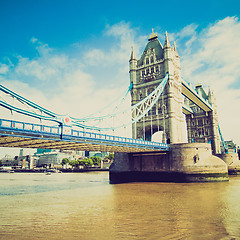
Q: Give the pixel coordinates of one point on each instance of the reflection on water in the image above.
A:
(86, 206)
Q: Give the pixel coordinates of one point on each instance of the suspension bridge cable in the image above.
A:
(30, 103)
(91, 116)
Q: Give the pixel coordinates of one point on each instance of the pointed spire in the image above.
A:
(175, 49)
(167, 43)
(210, 92)
(174, 46)
(211, 96)
(133, 56)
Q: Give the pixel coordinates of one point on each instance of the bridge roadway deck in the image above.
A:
(29, 135)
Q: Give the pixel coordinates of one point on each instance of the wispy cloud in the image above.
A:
(3, 68)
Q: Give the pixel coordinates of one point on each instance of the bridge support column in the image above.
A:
(186, 162)
(232, 161)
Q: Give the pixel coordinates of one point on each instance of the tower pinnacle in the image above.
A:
(175, 49)
(133, 56)
(174, 46)
(152, 36)
(167, 43)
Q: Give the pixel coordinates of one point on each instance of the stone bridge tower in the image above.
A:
(146, 74)
(202, 126)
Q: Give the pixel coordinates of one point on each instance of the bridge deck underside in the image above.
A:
(21, 141)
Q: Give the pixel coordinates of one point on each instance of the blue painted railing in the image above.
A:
(66, 133)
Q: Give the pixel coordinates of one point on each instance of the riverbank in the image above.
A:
(42, 170)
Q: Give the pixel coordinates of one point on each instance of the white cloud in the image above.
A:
(33, 40)
(117, 49)
(3, 68)
(186, 38)
(124, 33)
(95, 57)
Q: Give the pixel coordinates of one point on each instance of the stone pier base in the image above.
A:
(232, 161)
(187, 162)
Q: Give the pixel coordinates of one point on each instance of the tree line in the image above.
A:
(86, 162)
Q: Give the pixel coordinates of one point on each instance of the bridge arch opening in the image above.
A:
(155, 133)
(157, 136)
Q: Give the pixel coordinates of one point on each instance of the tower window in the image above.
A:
(147, 60)
(152, 70)
(143, 72)
(151, 59)
(157, 69)
(161, 67)
(147, 72)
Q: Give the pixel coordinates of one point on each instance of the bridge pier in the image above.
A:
(232, 161)
(185, 162)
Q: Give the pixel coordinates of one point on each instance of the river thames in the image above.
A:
(86, 206)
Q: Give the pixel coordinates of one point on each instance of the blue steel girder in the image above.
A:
(140, 109)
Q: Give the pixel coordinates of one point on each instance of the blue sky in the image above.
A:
(64, 54)
(61, 23)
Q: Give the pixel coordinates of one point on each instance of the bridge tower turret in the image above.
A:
(133, 72)
(133, 66)
(216, 142)
(174, 92)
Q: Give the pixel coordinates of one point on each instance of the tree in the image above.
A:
(96, 160)
(110, 156)
(87, 162)
(73, 163)
(65, 161)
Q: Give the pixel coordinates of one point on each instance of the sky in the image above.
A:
(72, 57)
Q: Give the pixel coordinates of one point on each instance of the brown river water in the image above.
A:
(86, 206)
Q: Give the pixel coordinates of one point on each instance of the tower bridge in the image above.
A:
(179, 108)
(161, 101)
